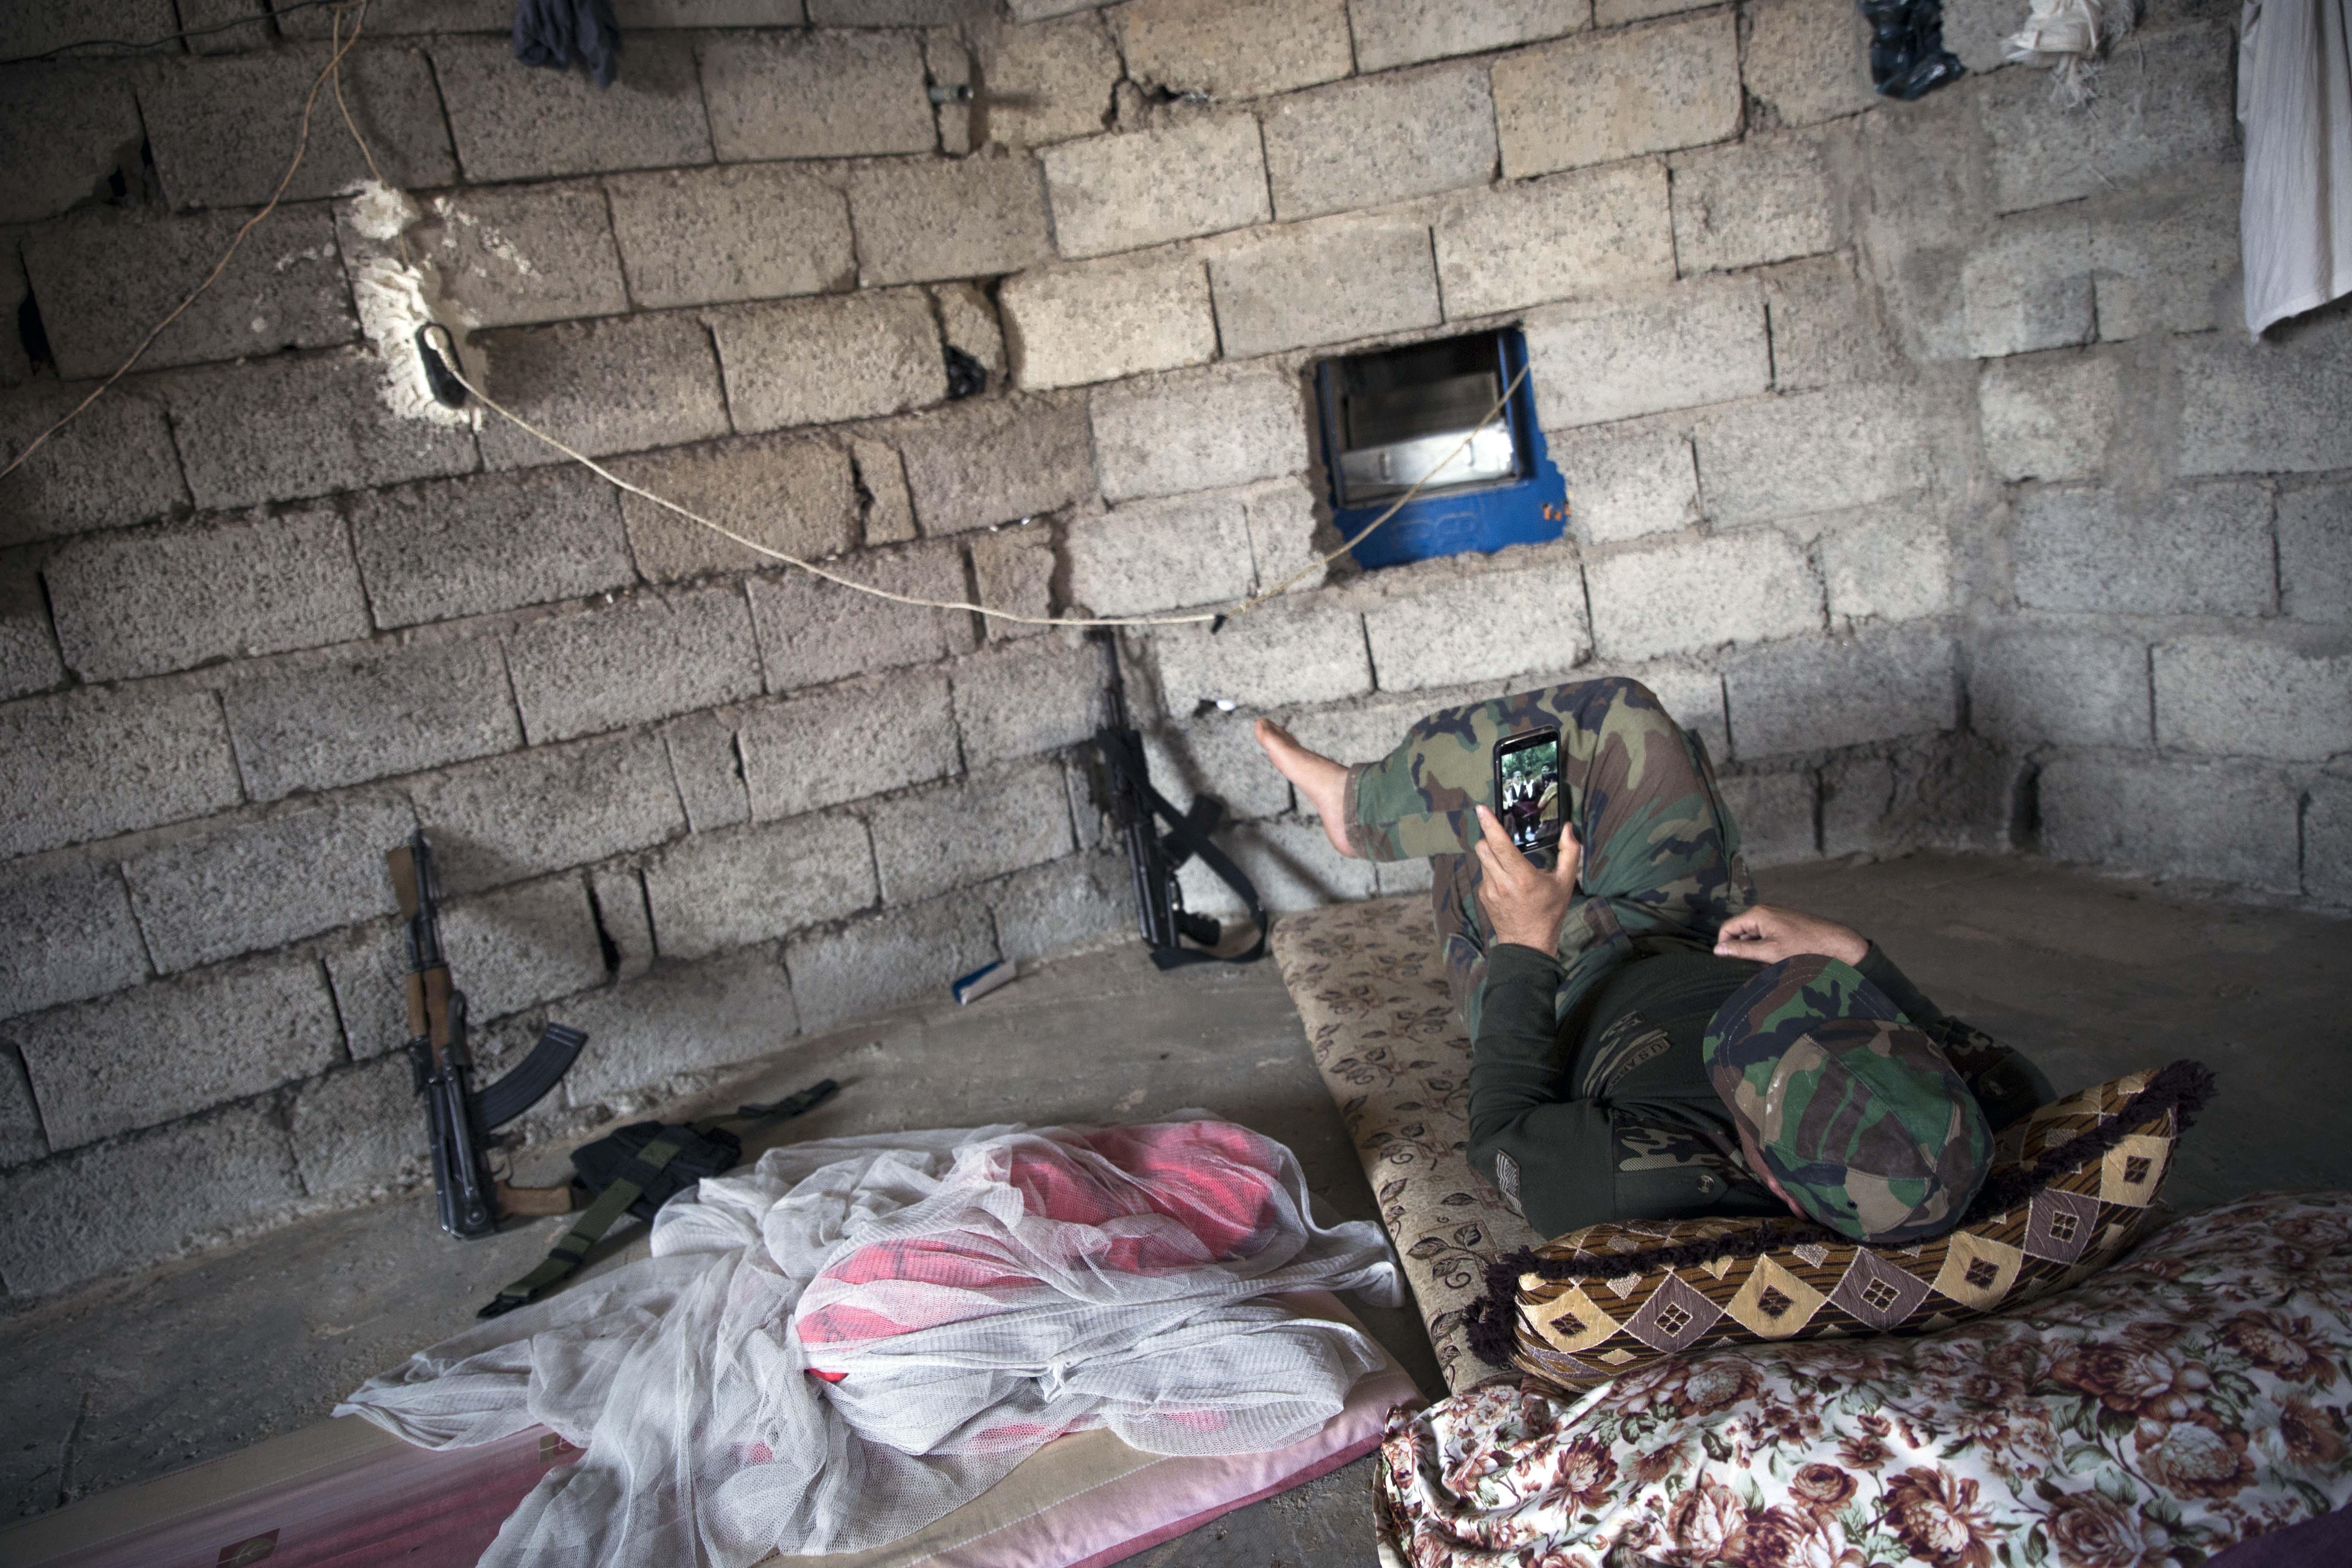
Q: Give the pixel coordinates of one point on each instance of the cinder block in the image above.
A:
(166, 1049)
(397, 710)
(797, 496)
(1373, 141)
(884, 12)
(2314, 553)
(1198, 430)
(1097, 320)
(530, 812)
(1825, 326)
(1617, 13)
(492, 541)
(413, 16)
(1893, 565)
(1286, 540)
(1038, 10)
(1820, 694)
(1014, 571)
(2165, 264)
(1159, 555)
(845, 742)
(1572, 236)
(1047, 82)
(1808, 60)
(812, 632)
(2223, 822)
(711, 237)
(709, 770)
(1694, 594)
(2263, 408)
(1978, 31)
(965, 832)
(13, 366)
(2179, 109)
(1234, 51)
(1697, 343)
(1285, 651)
(646, 657)
(1775, 813)
(1324, 282)
(919, 219)
(513, 124)
(1391, 32)
(2204, 550)
(1613, 95)
(882, 476)
(359, 1133)
(616, 897)
(2229, 695)
(2028, 286)
(2328, 841)
(777, 94)
(112, 466)
(102, 1210)
(1364, 730)
(967, 321)
(1764, 199)
(1019, 698)
(1289, 860)
(260, 884)
(66, 934)
(29, 660)
(1080, 901)
(1216, 755)
(1621, 487)
(85, 764)
(814, 362)
(71, 128)
(679, 1019)
(2048, 417)
(21, 1138)
(1491, 626)
(889, 958)
(2035, 685)
(222, 129)
(1950, 792)
(520, 254)
(131, 603)
(519, 946)
(1199, 175)
(718, 890)
(621, 385)
(282, 429)
(1819, 451)
(995, 460)
(104, 282)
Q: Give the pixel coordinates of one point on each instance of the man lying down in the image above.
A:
(1648, 1041)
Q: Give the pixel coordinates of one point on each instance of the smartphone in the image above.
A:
(1527, 788)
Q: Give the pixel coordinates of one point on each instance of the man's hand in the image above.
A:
(1524, 904)
(1767, 935)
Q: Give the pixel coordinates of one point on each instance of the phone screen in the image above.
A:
(1527, 778)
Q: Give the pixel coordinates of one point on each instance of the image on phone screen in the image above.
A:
(1527, 778)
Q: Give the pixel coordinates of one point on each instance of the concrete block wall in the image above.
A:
(1914, 459)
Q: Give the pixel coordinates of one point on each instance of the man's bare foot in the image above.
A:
(1321, 780)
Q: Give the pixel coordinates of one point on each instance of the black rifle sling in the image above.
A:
(1185, 833)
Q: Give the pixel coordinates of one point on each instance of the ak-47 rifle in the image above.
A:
(463, 1124)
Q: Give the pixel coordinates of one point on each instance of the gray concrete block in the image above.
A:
(169, 1049)
(621, 384)
(13, 366)
(1492, 627)
(711, 237)
(1613, 95)
(888, 958)
(969, 324)
(1196, 174)
(2328, 841)
(646, 657)
(845, 742)
(1825, 325)
(886, 13)
(1694, 594)
(267, 882)
(522, 945)
(72, 128)
(358, 1133)
(959, 834)
(2223, 822)
(104, 282)
(1038, 10)
(797, 496)
(101, 1210)
(1695, 344)
(21, 1138)
(709, 770)
(86, 765)
(816, 95)
(1895, 564)
(616, 895)
(66, 934)
(1323, 282)
(882, 477)
(1978, 31)
(1216, 755)
(1616, 13)
(491, 541)
(919, 219)
(131, 604)
(1234, 51)
(1287, 540)
(113, 465)
(1403, 32)
(1019, 698)
(1364, 730)
(2314, 553)
(1159, 555)
(1074, 902)
(381, 713)
(2178, 109)
(750, 884)
(1621, 487)
(995, 460)
(814, 362)
(2267, 406)
(1097, 320)
(2027, 285)
(1570, 236)
(1820, 694)
(1767, 198)
(530, 812)
(29, 659)
(1290, 862)
(516, 255)
(1820, 451)
(1378, 140)
(409, 18)
(1197, 430)
(1806, 61)
(222, 129)
(1014, 571)
(1950, 792)
(679, 1019)
(2167, 264)
(280, 430)
(1282, 652)
(513, 124)
(1392, 877)
(2048, 417)
(2229, 696)
(2055, 685)
(1775, 813)
(812, 632)
(2202, 550)
(1047, 82)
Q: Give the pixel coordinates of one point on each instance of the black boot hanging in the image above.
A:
(1907, 57)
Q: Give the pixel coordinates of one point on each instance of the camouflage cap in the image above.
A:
(1856, 1113)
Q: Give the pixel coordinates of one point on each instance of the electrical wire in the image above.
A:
(257, 17)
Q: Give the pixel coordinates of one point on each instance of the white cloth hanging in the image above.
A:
(2295, 99)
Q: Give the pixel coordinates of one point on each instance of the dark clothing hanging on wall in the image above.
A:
(557, 32)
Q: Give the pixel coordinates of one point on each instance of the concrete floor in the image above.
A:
(2092, 976)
